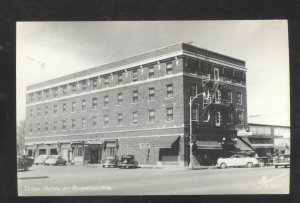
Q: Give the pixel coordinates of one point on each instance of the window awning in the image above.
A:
(208, 145)
(242, 146)
(165, 141)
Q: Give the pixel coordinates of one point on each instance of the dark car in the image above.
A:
(110, 162)
(23, 163)
(282, 160)
(128, 161)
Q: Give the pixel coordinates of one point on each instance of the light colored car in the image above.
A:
(55, 160)
(40, 159)
(236, 161)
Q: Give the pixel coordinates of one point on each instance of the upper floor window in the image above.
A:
(54, 109)
(230, 117)
(206, 115)
(31, 113)
(151, 93)
(64, 125)
(39, 112)
(64, 88)
(120, 78)
(94, 83)
(170, 90)
(74, 88)
(106, 101)
(83, 123)
(46, 111)
(38, 127)
(83, 104)
(47, 94)
(73, 106)
(95, 121)
(135, 117)
(229, 96)
(30, 129)
(135, 96)
(169, 68)
(106, 81)
(193, 89)
(94, 103)
(218, 119)
(120, 119)
(194, 113)
(169, 113)
(46, 127)
(240, 118)
(239, 98)
(64, 108)
(151, 115)
(120, 99)
(54, 125)
(83, 86)
(151, 72)
(55, 92)
(31, 98)
(106, 120)
(135, 75)
(39, 96)
(73, 124)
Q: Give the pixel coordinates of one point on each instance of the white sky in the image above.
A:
(68, 47)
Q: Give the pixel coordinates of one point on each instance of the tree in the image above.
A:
(21, 132)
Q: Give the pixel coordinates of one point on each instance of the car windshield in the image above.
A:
(109, 161)
(126, 159)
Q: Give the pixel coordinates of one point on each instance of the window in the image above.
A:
(83, 104)
(30, 129)
(38, 112)
(169, 113)
(54, 125)
(120, 78)
(106, 81)
(47, 94)
(46, 111)
(218, 119)
(78, 151)
(55, 92)
(218, 97)
(216, 74)
(64, 125)
(106, 101)
(135, 75)
(54, 109)
(239, 98)
(64, 108)
(83, 123)
(230, 117)
(106, 120)
(46, 127)
(73, 106)
(74, 88)
(94, 121)
(151, 115)
(135, 96)
(151, 72)
(151, 93)
(135, 117)
(31, 113)
(64, 90)
(120, 99)
(193, 90)
(38, 127)
(229, 96)
(95, 83)
(169, 68)
(83, 86)
(31, 98)
(120, 119)
(206, 116)
(169, 90)
(73, 123)
(240, 118)
(94, 103)
(39, 96)
(194, 113)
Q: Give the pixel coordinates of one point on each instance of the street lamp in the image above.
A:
(191, 129)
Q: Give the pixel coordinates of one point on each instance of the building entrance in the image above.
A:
(94, 154)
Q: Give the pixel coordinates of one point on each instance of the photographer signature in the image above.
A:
(266, 180)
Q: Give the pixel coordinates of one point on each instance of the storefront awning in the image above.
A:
(111, 144)
(208, 145)
(165, 141)
(242, 146)
(94, 142)
(262, 146)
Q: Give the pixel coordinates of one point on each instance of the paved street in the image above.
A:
(95, 180)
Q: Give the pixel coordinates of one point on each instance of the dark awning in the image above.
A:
(208, 145)
(165, 141)
(242, 146)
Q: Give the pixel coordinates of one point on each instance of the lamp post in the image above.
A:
(191, 165)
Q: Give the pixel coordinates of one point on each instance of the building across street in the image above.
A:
(141, 106)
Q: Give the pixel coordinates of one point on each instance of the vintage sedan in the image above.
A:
(110, 162)
(40, 159)
(55, 160)
(23, 163)
(128, 161)
(237, 161)
(282, 160)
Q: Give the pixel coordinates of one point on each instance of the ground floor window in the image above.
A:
(168, 155)
(42, 151)
(53, 152)
(78, 151)
(29, 152)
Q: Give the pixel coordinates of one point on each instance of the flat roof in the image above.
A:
(144, 56)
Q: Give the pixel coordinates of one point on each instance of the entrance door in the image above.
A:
(216, 74)
(94, 156)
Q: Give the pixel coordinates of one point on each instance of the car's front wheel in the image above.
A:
(223, 165)
(261, 163)
(249, 164)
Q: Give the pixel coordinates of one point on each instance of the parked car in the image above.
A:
(22, 163)
(29, 159)
(236, 161)
(282, 160)
(110, 162)
(55, 160)
(40, 159)
(128, 161)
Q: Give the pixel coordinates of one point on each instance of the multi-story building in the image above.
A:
(269, 139)
(140, 106)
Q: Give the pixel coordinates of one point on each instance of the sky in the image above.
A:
(46, 50)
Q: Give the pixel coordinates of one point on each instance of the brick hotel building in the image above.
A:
(140, 106)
